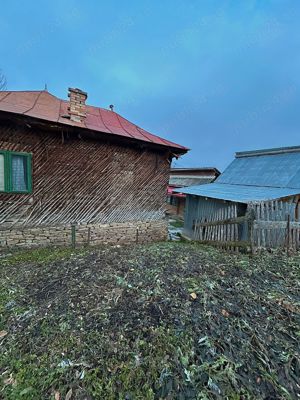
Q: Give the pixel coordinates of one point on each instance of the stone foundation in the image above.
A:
(85, 234)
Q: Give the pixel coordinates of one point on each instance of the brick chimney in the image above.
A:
(77, 108)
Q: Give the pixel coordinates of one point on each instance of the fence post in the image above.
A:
(73, 235)
(288, 234)
(250, 222)
(89, 236)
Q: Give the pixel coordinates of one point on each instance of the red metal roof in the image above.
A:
(44, 105)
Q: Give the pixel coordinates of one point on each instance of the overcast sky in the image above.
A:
(216, 76)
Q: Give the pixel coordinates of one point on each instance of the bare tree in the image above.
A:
(3, 81)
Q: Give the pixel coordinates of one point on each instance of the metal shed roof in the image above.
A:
(238, 193)
(271, 167)
(189, 180)
(258, 175)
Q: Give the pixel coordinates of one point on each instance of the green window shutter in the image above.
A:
(29, 173)
(6, 171)
(2, 172)
(17, 172)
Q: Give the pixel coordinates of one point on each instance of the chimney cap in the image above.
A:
(79, 91)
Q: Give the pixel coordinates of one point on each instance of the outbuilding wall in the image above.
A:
(84, 182)
(199, 208)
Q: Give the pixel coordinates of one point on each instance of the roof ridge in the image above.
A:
(270, 151)
(22, 91)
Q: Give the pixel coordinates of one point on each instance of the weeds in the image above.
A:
(120, 323)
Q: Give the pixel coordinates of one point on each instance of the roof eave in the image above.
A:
(97, 135)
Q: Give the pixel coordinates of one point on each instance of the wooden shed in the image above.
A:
(183, 177)
(265, 182)
(69, 167)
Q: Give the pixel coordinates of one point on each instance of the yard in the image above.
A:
(161, 321)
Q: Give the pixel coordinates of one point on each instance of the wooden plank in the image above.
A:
(250, 225)
(231, 227)
(233, 221)
(288, 235)
(257, 236)
(275, 224)
(223, 216)
(262, 213)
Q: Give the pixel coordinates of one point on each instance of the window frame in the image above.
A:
(8, 185)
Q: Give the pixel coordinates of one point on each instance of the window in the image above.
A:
(15, 172)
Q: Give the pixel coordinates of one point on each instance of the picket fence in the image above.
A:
(269, 224)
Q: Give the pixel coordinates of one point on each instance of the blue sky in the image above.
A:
(216, 76)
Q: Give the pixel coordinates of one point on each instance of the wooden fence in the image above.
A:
(276, 225)
(265, 225)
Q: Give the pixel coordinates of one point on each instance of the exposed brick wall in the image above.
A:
(77, 108)
(92, 234)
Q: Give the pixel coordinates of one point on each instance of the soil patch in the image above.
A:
(163, 321)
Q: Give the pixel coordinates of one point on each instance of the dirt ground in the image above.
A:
(163, 321)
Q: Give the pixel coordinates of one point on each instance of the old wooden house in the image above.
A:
(267, 182)
(67, 167)
(183, 177)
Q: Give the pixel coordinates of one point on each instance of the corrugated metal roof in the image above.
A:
(189, 181)
(273, 150)
(238, 193)
(195, 169)
(271, 168)
(43, 105)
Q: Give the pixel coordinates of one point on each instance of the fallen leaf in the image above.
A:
(69, 394)
(193, 296)
(2, 334)
(225, 313)
(57, 396)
